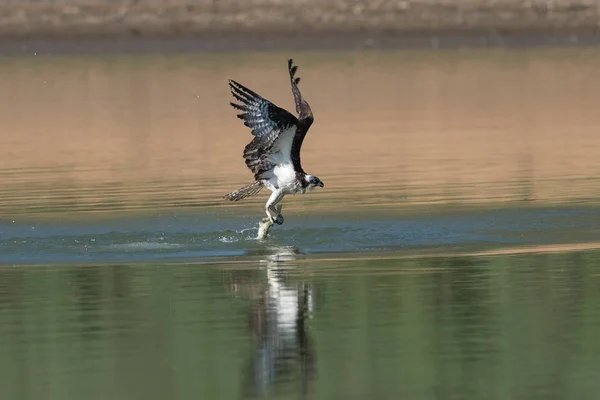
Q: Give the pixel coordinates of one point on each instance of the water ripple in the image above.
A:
(217, 235)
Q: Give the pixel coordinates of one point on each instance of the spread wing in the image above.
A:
(267, 122)
(305, 116)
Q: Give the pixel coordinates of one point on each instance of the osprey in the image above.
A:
(273, 155)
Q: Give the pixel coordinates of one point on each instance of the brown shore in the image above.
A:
(264, 24)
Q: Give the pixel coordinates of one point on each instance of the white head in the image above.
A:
(313, 182)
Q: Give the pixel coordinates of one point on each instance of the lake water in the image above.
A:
(453, 253)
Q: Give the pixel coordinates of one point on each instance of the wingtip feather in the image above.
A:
(241, 96)
(238, 106)
(244, 91)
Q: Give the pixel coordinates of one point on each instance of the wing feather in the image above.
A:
(267, 122)
(305, 116)
(259, 114)
(302, 108)
(256, 154)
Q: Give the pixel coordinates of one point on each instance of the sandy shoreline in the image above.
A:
(258, 24)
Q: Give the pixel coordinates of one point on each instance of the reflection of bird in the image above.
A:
(273, 155)
(281, 308)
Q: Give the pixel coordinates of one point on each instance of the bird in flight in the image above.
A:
(273, 155)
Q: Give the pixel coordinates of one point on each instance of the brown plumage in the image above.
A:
(246, 191)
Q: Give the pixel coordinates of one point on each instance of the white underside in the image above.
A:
(283, 176)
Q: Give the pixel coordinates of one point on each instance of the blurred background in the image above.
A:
(453, 252)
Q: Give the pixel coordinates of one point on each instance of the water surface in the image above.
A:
(495, 327)
(90, 133)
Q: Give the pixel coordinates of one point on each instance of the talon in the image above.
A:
(279, 219)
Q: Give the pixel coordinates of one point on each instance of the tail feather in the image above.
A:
(246, 191)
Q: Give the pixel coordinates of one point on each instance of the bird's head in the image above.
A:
(313, 182)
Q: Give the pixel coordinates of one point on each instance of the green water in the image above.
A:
(461, 327)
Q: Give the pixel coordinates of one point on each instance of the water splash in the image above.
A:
(239, 236)
(145, 246)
